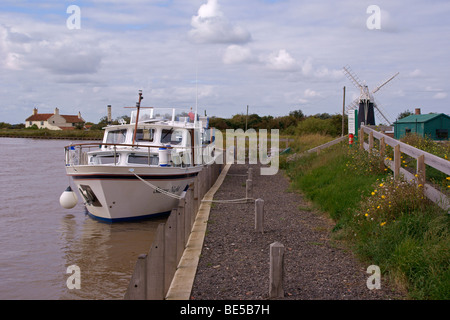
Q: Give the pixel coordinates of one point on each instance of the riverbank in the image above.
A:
(52, 134)
(234, 262)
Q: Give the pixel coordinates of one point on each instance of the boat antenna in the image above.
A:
(196, 94)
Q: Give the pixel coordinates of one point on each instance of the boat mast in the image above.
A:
(138, 106)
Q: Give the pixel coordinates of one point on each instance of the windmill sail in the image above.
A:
(367, 107)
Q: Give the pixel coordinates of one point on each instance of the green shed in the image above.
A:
(434, 125)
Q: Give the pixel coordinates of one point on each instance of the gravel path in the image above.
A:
(234, 263)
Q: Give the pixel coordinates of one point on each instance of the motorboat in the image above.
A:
(141, 168)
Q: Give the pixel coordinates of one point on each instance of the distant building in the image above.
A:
(434, 125)
(54, 121)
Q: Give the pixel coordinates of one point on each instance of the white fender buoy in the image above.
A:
(163, 157)
(68, 199)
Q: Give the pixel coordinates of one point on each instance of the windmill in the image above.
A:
(366, 101)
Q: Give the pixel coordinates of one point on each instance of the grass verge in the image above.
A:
(386, 222)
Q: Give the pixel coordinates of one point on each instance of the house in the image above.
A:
(434, 125)
(54, 121)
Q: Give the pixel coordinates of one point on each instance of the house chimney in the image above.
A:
(109, 114)
(56, 111)
(79, 115)
(417, 111)
(35, 111)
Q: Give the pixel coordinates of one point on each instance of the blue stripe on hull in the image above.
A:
(132, 177)
(129, 219)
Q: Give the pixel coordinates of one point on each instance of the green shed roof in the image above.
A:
(420, 117)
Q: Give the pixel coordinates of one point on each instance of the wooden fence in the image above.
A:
(317, 149)
(154, 271)
(423, 158)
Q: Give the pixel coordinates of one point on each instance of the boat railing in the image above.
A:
(178, 156)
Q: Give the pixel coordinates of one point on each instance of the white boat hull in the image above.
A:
(119, 194)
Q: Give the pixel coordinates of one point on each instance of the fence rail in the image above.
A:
(423, 158)
(154, 272)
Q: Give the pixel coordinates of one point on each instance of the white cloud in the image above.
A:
(440, 95)
(282, 61)
(415, 73)
(309, 93)
(211, 26)
(237, 54)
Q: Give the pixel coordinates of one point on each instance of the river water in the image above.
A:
(39, 239)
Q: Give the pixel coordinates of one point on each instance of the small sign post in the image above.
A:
(353, 123)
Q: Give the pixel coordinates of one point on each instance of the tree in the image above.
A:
(297, 114)
(404, 114)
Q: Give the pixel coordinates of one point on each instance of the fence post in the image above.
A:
(138, 283)
(276, 270)
(170, 249)
(250, 173)
(370, 141)
(248, 189)
(382, 152)
(421, 170)
(361, 139)
(259, 215)
(397, 161)
(155, 266)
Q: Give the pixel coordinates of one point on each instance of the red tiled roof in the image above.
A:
(45, 116)
(39, 117)
(72, 119)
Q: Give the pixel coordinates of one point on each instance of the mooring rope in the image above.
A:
(167, 193)
(236, 201)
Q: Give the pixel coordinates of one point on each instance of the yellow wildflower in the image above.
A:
(381, 184)
(382, 197)
(373, 193)
(382, 224)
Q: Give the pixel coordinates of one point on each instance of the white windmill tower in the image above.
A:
(366, 101)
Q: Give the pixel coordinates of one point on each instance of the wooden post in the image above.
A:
(191, 207)
(170, 249)
(397, 161)
(248, 189)
(370, 141)
(200, 185)
(382, 152)
(276, 270)
(361, 139)
(250, 173)
(259, 215)
(180, 228)
(196, 198)
(155, 266)
(138, 283)
(421, 170)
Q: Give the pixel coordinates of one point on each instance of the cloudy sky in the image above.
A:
(274, 55)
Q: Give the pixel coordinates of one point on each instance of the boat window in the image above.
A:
(116, 136)
(142, 159)
(171, 136)
(145, 135)
(108, 159)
